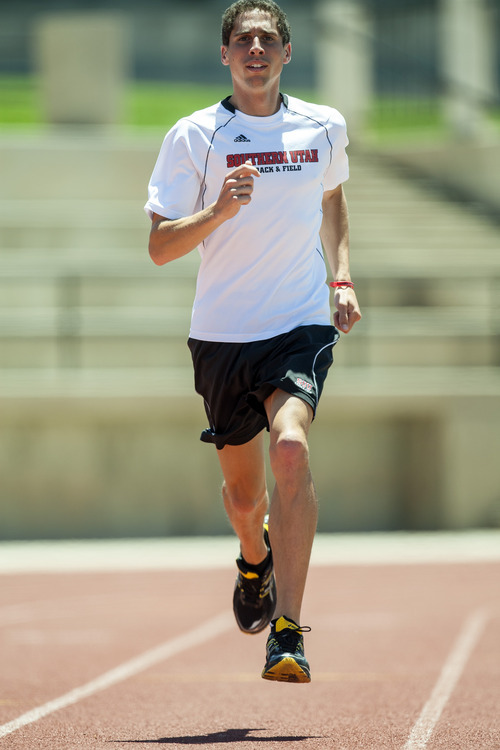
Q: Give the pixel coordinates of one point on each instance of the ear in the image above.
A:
(223, 55)
(287, 54)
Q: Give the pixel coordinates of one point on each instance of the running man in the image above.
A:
(255, 183)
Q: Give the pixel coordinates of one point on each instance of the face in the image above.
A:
(255, 53)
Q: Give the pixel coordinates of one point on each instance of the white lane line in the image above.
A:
(204, 632)
(450, 674)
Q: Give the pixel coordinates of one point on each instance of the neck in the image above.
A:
(256, 105)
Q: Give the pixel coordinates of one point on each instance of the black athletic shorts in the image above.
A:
(236, 379)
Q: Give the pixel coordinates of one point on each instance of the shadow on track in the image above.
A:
(228, 735)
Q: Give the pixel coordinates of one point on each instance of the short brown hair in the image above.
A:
(243, 6)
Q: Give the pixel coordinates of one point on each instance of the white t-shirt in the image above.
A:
(262, 272)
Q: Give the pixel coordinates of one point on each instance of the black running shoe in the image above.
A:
(285, 653)
(254, 596)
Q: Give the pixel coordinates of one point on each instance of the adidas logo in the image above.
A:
(241, 139)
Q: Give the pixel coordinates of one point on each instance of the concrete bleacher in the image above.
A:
(99, 429)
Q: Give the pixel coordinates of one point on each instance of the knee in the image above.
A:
(243, 499)
(289, 455)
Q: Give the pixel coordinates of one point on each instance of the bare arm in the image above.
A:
(335, 239)
(171, 239)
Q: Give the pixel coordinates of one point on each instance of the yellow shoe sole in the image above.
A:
(287, 670)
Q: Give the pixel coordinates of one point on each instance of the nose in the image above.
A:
(256, 48)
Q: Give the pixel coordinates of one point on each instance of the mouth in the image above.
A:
(256, 66)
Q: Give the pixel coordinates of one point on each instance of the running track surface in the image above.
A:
(125, 645)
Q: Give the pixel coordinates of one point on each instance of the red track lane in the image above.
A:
(381, 638)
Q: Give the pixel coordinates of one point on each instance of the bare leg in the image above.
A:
(245, 495)
(293, 512)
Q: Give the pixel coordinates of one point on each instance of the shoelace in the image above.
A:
(289, 638)
(250, 587)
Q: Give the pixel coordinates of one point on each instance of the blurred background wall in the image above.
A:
(99, 424)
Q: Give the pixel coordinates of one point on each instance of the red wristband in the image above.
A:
(335, 284)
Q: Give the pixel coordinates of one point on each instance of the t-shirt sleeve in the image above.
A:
(338, 170)
(174, 187)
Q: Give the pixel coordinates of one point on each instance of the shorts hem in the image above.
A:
(287, 387)
(220, 442)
